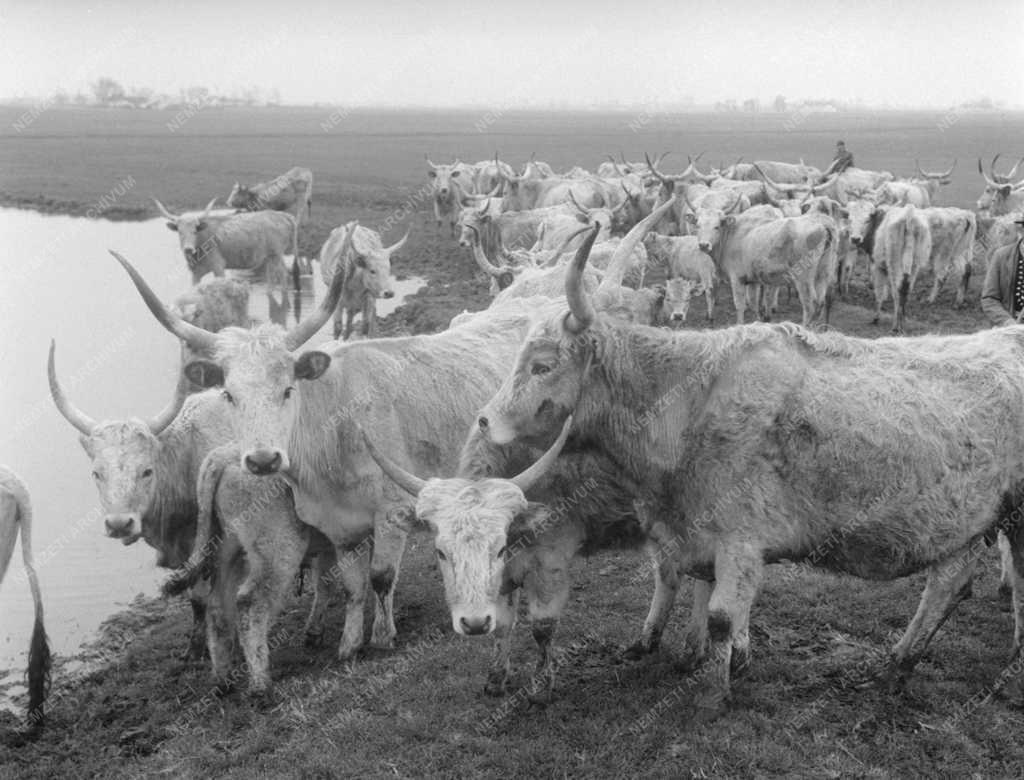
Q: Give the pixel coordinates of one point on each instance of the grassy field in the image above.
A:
(805, 709)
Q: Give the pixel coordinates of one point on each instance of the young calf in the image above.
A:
(260, 548)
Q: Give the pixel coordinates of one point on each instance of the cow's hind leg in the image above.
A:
(388, 548)
(547, 592)
(738, 570)
(965, 281)
(1005, 566)
(221, 615)
(695, 635)
(948, 583)
(198, 596)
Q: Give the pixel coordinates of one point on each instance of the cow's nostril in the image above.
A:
(389, 294)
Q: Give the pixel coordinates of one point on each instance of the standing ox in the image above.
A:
(249, 242)
(952, 234)
(15, 517)
(771, 449)
(690, 273)
(291, 192)
(298, 417)
(902, 247)
(1001, 195)
(449, 182)
(359, 253)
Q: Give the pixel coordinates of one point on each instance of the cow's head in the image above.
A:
(241, 196)
(125, 455)
(548, 376)
(715, 211)
(260, 376)
(192, 230)
(374, 264)
(480, 527)
(474, 218)
(604, 216)
(676, 305)
(443, 177)
(999, 189)
(863, 213)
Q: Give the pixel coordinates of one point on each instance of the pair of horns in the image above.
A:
(86, 424)
(524, 481)
(175, 217)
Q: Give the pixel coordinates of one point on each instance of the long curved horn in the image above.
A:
(689, 203)
(485, 265)
(653, 169)
(398, 244)
(79, 419)
(303, 331)
(988, 180)
(1013, 170)
(174, 218)
(198, 339)
(992, 167)
(206, 211)
(526, 479)
(581, 308)
(432, 165)
(735, 205)
(166, 417)
(619, 262)
(767, 179)
(576, 203)
(410, 483)
(816, 188)
(482, 211)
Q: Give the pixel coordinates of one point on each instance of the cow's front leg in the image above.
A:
(738, 570)
(695, 635)
(948, 583)
(547, 592)
(739, 298)
(498, 674)
(323, 564)
(388, 547)
(666, 586)
(354, 572)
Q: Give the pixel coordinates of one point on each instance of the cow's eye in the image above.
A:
(539, 369)
(147, 473)
(501, 552)
(288, 392)
(96, 475)
(228, 397)
(441, 556)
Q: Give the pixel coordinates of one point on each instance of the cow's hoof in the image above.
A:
(263, 698)
(689, 662)
(739, 662)
(874, 321)
(314, 639)
(1005, 591)
(496, 685)
(638, 650)
(348, 654)
(223, 689)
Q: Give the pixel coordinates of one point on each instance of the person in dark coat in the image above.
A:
(1002, 295)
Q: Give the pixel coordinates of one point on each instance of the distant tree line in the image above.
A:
(110, 93)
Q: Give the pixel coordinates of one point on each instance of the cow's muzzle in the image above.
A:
(704, 246)
(475, 626)
(125, 526)
(263, 462)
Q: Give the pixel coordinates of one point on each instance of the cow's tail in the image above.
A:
(39, 656)
(206, 544)
(828, 271)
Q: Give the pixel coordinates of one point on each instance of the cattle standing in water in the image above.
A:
(773, 450)
(250, 241)
(15, 518)
(291, 192)
(359, 253)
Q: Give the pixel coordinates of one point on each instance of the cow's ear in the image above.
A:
(204, 373)
(844, 213)
(431, 174)
(730, 220)
(527, 525)
(404, 518)
(454, 174)
(200, 226)
(311, 365)
(172, 226)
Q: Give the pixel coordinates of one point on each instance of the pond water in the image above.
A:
(115, 361)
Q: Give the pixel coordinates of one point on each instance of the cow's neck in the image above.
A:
(169, 524)
(643, 395)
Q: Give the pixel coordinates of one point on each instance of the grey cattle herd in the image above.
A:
(572, 414)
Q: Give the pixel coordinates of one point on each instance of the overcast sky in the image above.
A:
(919, 52)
